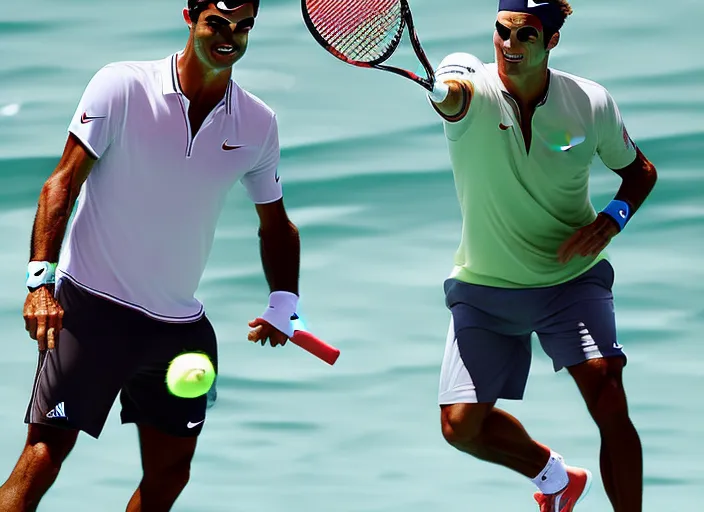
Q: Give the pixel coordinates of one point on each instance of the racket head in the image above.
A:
(362, 33)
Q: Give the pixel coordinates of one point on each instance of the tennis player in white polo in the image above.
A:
(522, 138)
(153, 149)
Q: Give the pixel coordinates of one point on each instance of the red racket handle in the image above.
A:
(316, 346)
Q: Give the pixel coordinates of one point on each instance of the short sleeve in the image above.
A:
(101, 110)
(463, 66)
(263, 183)
(615, 147)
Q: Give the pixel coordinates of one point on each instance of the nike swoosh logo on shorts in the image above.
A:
(194, 425)
(85, 118)
(227, 147)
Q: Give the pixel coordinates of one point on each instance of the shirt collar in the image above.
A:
(542, 100)
(169, 76)
(171, 85)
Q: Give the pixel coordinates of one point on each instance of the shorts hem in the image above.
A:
(95, 434)
(609, 355)
(449, 400)
(195, 432)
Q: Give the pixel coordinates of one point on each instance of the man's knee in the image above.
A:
(173, 476)
(48, 446)
(602, 386)
(462, 423)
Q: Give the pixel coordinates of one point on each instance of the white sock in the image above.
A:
(553, 478)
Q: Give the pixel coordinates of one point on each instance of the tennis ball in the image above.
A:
(190, 375)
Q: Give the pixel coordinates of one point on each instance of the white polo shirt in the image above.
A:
(146, 216)
(518, 206)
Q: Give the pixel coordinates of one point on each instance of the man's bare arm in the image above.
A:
(280, 247)
(42, 313)
(56, 200)
(638, 181)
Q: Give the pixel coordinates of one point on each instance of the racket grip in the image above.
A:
(316, 346)
(439, 92)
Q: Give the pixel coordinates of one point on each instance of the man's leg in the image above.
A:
(74, 389)
(37, 468)
(578, 332)
(493, 435)
(168, 425)
(479, 367)
(601, 384)
(166, 463)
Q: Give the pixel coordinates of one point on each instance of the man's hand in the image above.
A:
(263, 330)
(43, 317)
(589, 240)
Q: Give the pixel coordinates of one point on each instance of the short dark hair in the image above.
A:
(565, 10)
(195, 8)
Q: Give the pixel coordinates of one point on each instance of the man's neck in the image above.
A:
(201, 85)
(527, 89)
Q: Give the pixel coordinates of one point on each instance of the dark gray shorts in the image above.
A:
(488, 349)
(106, 349)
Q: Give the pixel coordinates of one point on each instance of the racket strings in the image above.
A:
(363, 31)
(350, 31)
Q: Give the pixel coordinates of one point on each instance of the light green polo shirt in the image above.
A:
(518, 207)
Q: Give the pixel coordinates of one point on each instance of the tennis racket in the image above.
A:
(312, 343)
(307, 341)
(366, 33)
(316, 346)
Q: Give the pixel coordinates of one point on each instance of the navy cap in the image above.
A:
(224, 6)
(549, 14)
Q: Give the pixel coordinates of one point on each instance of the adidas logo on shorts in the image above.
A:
(57, 412)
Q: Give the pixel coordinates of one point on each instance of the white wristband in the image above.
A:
(439, 92)
(282, 306)
(40, 273)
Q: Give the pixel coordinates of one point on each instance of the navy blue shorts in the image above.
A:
(488, 349)
(106, 349)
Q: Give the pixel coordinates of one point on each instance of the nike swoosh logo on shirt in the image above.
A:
(85, 118)
(227, 147)
(573, 143)
(193, 425)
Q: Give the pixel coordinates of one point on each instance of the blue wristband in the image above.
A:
(619, 211)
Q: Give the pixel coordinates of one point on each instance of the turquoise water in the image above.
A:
(368, 183)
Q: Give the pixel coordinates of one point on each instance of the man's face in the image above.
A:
(220, 38)
(518, 40)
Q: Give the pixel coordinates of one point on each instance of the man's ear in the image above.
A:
(187, 17)
(553, 41)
